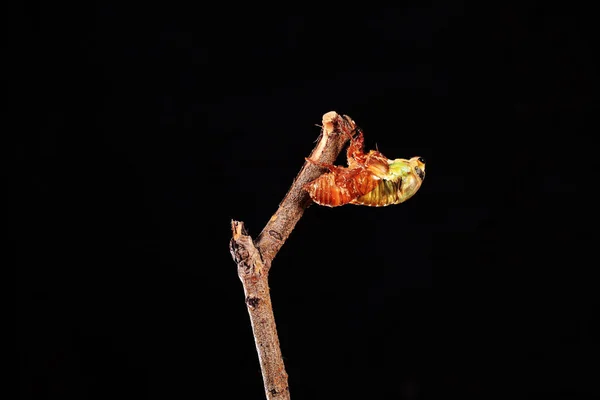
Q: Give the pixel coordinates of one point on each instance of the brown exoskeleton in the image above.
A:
(371, 179)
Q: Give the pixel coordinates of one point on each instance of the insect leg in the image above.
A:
(355, 153)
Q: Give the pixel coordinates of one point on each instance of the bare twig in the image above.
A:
(254, 258)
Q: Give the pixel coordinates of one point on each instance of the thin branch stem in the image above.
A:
(254, 258)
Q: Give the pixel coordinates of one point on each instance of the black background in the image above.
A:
(143, 130)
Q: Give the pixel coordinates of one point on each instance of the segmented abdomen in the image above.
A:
(341, 187)
(385, 193)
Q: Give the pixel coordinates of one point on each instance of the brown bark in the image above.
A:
(254, 258)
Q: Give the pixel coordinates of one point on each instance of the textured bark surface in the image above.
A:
(252, 273)
(253, 258)
(335, 132)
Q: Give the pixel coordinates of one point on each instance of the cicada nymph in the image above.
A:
(371, 179)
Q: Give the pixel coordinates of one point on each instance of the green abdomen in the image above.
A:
(385, 193)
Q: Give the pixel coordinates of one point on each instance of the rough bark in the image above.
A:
(254, 258)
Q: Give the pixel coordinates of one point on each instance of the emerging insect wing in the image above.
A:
(370, 179)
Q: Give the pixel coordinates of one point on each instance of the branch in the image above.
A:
(254, 258)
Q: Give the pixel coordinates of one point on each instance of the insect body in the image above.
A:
(370, 179)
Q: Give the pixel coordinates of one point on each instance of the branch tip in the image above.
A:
(329, 122)
(238, 229)
(254, 257)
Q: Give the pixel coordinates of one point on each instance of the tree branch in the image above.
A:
(254, 258)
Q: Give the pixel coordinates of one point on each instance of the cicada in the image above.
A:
(371, 179)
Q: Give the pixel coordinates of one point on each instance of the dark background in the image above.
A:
(143, 130)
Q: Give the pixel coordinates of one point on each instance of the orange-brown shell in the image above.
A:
(362, 182)
(341, 186)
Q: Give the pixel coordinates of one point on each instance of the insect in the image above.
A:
(371, 179)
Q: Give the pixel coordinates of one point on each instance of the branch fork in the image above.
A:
(254, 257)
